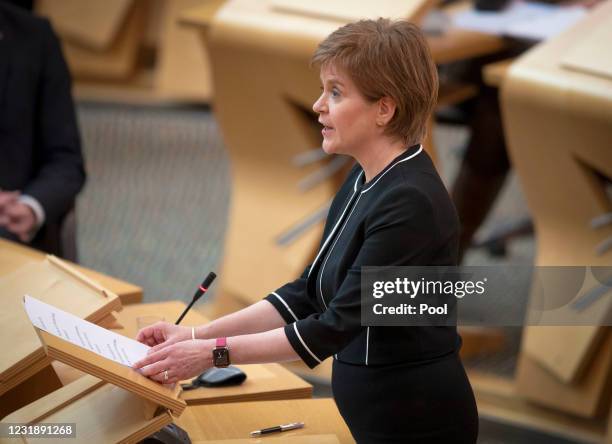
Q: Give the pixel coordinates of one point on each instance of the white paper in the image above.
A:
(548, 25)
(83, 333)
(535, 21)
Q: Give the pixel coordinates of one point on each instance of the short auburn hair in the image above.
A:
(387, 58)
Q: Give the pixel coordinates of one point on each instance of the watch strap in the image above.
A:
(221, 343)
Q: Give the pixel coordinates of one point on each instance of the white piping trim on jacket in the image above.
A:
(331, 249)
(396, 163)
(357, 181)
(286, 305)
(335, 226)
(367, 345)
(304, 344)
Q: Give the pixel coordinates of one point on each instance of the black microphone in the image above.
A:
(198, 294)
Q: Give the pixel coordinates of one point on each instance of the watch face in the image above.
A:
(221, 357)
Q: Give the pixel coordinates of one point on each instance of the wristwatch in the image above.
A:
(220, 353)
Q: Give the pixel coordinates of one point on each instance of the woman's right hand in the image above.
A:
(163, 334)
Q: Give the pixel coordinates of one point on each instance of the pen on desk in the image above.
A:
(279, 428)
(198, 294)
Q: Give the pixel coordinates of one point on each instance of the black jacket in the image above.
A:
(402, 217)
(40, 149)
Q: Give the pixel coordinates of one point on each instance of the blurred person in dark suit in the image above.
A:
(41, 164)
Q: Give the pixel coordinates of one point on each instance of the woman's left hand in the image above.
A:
(176, 362)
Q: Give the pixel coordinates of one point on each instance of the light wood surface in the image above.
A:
(101, 42)
(453, 45)
(102, 413)
(558, 129)
(236, 421)
(24, 270)
(118, 61)
(493, 74)
(113, 372)
(65, 373)
(168, 311)
(497, 399)
(14, 256)
(34, 387)
(92, 24)
(53, 402)
(264, 381)
(180, 73)
(182, 69)
(591, 54)
(586, 397)
(201, 17)
(564, 351)
(54, 282)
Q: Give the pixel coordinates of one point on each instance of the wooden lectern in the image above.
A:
(114, 404)
(14, 256)
(25, 372)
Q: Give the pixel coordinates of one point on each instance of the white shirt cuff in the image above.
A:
(36, 207)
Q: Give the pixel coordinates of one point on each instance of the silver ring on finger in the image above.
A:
(165, 375)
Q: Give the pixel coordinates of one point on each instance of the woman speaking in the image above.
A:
(391, 384)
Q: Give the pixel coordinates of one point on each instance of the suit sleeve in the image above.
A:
(400, 231)
(291, 300)
(61, 173)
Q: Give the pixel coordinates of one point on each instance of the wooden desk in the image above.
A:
(493, 74)
(234, 421)
(264, 381)
(13, 256)
(556, 101)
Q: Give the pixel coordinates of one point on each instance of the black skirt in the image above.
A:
(423, 402)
